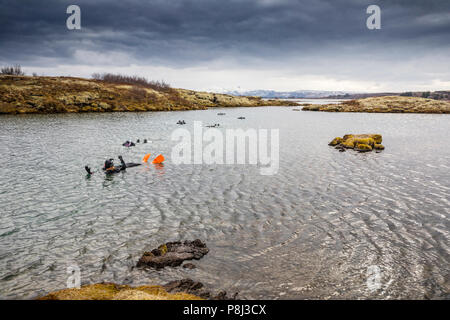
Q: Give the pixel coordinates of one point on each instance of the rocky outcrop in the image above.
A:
(358, 142)
(25, 94)
(388, 104)
(112, 291)
(172, 254)
(185, 289)
(196, 288)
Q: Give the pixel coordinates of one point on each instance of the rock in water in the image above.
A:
(191, 287)
(112, 291)
(358, 142)
(172, 254)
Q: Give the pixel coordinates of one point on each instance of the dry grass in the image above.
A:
(23, 94)
(388, 104)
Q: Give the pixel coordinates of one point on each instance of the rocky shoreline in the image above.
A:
(170, 254)
(387, 104)
(43, 95)
(185, 289)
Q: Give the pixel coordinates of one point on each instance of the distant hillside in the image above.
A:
(26, 94)
(389, 104)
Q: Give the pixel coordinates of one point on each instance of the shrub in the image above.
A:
(133, 80)
(15, 70)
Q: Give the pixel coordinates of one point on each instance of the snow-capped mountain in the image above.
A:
(285, 94)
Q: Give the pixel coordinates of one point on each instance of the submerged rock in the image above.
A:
(189, 266)
(195, 288)
(172, 254)
(358, 142)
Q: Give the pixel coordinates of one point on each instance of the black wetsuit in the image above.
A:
(110, 168)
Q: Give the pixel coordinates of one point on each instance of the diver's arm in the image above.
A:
(124, 165)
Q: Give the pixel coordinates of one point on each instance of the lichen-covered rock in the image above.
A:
(335, 141)
(362, 147)
(348, 144)
(358, 142)
(172, 254)
(367, 141)
(112, 291)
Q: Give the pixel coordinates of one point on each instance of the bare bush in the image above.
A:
(133, 80)
(15, 70)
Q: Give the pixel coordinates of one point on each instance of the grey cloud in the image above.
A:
(185, 33)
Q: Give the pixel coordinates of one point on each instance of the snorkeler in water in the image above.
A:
(109, 166)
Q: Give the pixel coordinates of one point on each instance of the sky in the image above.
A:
(218, 45)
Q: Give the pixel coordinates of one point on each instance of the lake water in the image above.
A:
(317, 229)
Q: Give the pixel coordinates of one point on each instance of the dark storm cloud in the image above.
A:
(182, 32)
(324, 38)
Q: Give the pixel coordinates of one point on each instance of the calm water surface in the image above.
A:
(310, 231)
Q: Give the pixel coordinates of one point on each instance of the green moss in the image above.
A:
(367, 141)
(349, 143)
(377, 137)
(363, 147)
(163, 249)
(336, 141)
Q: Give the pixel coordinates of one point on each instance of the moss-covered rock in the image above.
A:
(358, 142)
(335, 141)
(362, 147)
(348, 144)
(172, 254)
(112, 291)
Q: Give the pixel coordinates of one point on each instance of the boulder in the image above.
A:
(358, 142)
(191, 287)
(172, 254)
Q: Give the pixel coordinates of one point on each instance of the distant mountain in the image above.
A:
(315, 94)
(271, 94)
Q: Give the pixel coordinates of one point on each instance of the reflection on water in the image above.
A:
(311, 231)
